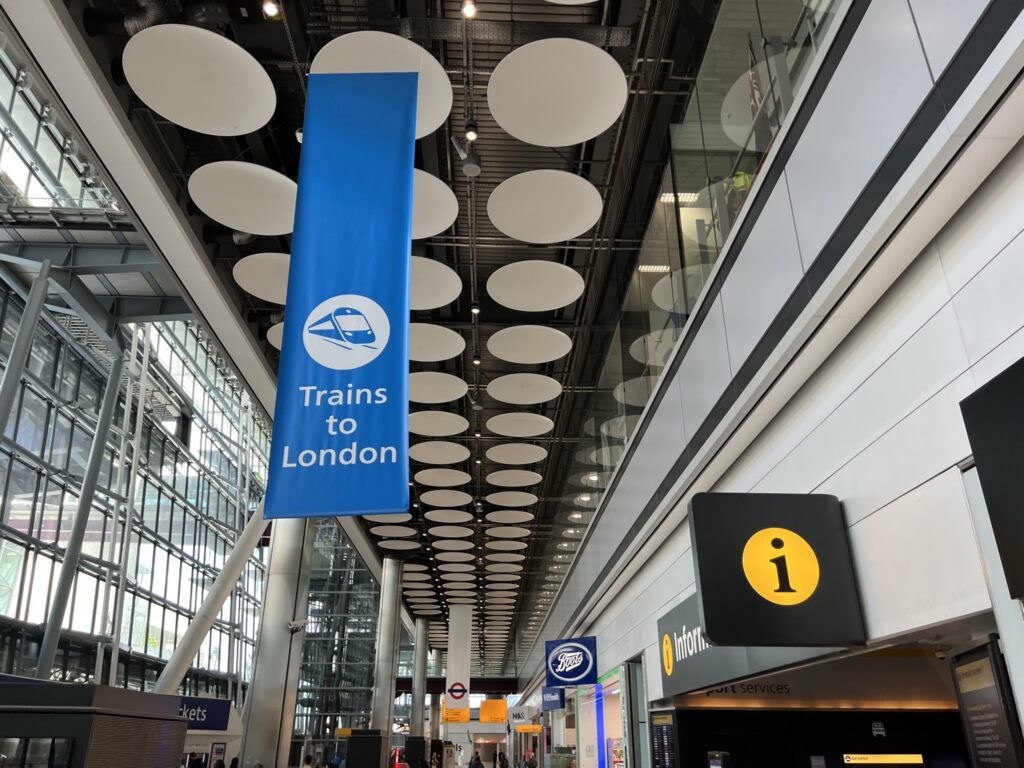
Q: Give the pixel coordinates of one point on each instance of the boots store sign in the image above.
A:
(572, 661)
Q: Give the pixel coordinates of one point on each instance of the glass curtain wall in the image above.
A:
(202, 457)
(336, 676)
(738, 94)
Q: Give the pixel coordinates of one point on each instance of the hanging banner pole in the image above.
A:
(340, 440)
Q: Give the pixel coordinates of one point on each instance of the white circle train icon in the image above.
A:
(346, 332)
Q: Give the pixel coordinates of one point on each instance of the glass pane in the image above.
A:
(32, 422)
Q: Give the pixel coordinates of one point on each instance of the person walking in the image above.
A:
(476, 762)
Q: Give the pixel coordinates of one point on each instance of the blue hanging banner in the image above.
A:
(552, 698)
(340, 440)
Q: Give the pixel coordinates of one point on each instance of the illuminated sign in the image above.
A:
(772, 569)
(883, 760)
(493, 711)
(528, 729)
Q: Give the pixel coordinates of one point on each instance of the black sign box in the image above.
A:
(994, 416)
(774, 570)
(987, 709)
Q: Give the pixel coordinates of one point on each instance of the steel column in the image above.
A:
(269, 713)
(382, 709)
(129, 517)
(22, 344)
(73, 551)
(435, 716)
(190, 643)
(419, 676)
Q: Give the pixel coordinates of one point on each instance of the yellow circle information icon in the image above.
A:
(781, 566)
(666, 654)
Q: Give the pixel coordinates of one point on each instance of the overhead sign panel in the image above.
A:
(994, 416)
(552, 698)
(340, 439)
(689, 663)
(456, 690)
(571, 662)
(774, 570)
(493, 711)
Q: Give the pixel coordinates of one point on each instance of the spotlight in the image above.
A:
(298, 135)
(468, 8)
(475, 309)
(471, 134)
(478, 434)
(271, 9)
(476, 361)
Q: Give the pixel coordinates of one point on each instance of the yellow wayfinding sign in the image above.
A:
(883, 760)
(493, 711)
(528, 729)
(453, 715)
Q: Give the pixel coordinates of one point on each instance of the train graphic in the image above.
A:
(346, 327)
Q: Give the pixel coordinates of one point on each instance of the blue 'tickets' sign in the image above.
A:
(552, 698)
(340, 439)
(571, 662)
(205, 714)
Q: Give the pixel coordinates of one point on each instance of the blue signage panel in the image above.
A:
(552, 698)
(205, 714)
(340, 439)
(571, 662)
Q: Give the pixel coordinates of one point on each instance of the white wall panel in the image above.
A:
(943, 25)
(917, 560)
(763, 277)
(987, 223)
(844, 142)
(704, 373)
(928, 361)
(989, 306)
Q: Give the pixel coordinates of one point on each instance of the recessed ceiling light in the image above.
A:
(469, 11)
(471, 132)
(271, 9)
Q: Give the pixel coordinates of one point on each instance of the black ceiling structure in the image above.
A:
(658, 44)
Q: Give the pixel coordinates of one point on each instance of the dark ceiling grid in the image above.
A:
(469, 51)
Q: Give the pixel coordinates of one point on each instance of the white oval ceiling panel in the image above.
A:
(506, 577)
(505, 557)
(400, 517)
(434, 205)
(620, 427)
(461, 577)
(544, 206)
(514, 478)
(398, 544)
(529, 344)
(508, 532)
(524, 388)
(437, 423)
(459, 592)
(453, 545)
(449, 516)
(429, 343)
(414, 576)
(520, 424)
(505, 544)
(635, 392)
(504, 567)
(439, 452)
(455, 557)
(516, 453)
(407, 566)
(369, 51)
(445, 498)
(654, 348)
(442, 478)
(275, 335)
(245, 196)
(512, 499)
(509, 516)
(456, 567)
(433, 387)
(609, 456)
(535, 286)
(556, 92)
(420, 593)
(450, 531)
(433, 284)
(264, 275)
(393, 530)
(462, 601)
(198, 79)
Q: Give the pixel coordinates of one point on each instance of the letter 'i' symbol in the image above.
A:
(781, 568)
